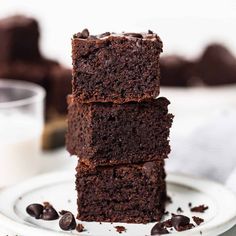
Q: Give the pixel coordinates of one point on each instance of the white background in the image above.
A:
(185, 26)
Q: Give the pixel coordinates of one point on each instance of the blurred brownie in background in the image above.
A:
(19, 37)
(28, 71)
(177, 71)
(217, 65)
(20, 59)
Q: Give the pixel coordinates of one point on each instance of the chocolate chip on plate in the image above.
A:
(181, 222)
(49, 213)
(179, 210)
(35, 210)
(67, 222)
(158, 229)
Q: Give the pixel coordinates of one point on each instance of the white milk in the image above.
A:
(20, 144)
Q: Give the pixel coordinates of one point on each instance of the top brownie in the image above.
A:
(115, 68)
(19, 39)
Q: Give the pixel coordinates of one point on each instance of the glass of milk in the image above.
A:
(21, 126)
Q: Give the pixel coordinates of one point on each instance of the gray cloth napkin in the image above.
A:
(209, 151)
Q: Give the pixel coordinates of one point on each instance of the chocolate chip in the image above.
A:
(200, 209)
(150, 32)
(80, 228)
(83, 35)
(159, 229)
(35, 210)
(67, 222)
(179, 210)
(49, 213)
(104, 34)
(135, 35)
(179, 221)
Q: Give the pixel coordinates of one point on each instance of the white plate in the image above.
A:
(58, 189)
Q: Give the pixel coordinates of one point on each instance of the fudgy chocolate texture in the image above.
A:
(115, 68)
(107, 133)
(124, 193)
(19, 39)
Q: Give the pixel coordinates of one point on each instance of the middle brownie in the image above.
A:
(107, 133)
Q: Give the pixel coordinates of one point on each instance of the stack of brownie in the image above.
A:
(117, 127)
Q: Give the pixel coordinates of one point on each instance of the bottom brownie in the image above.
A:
(125, 193)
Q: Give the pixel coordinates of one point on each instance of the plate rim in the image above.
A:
(174, 178)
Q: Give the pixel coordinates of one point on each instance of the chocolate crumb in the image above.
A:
(46, 204)
(179, 210)
(158, 229)
(80, 228)
(190, 204)
(198, 220)
(167, 223)
(150, 32)
(120, 229)
(200, 208)
(166, 213)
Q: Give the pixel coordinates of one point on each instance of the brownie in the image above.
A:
(19, 37)
(124, 193)
(115, 68)
(178, 71)
(217, 66)
(108, 133)
(26, 71)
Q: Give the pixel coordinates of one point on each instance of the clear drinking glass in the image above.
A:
(21, 126)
